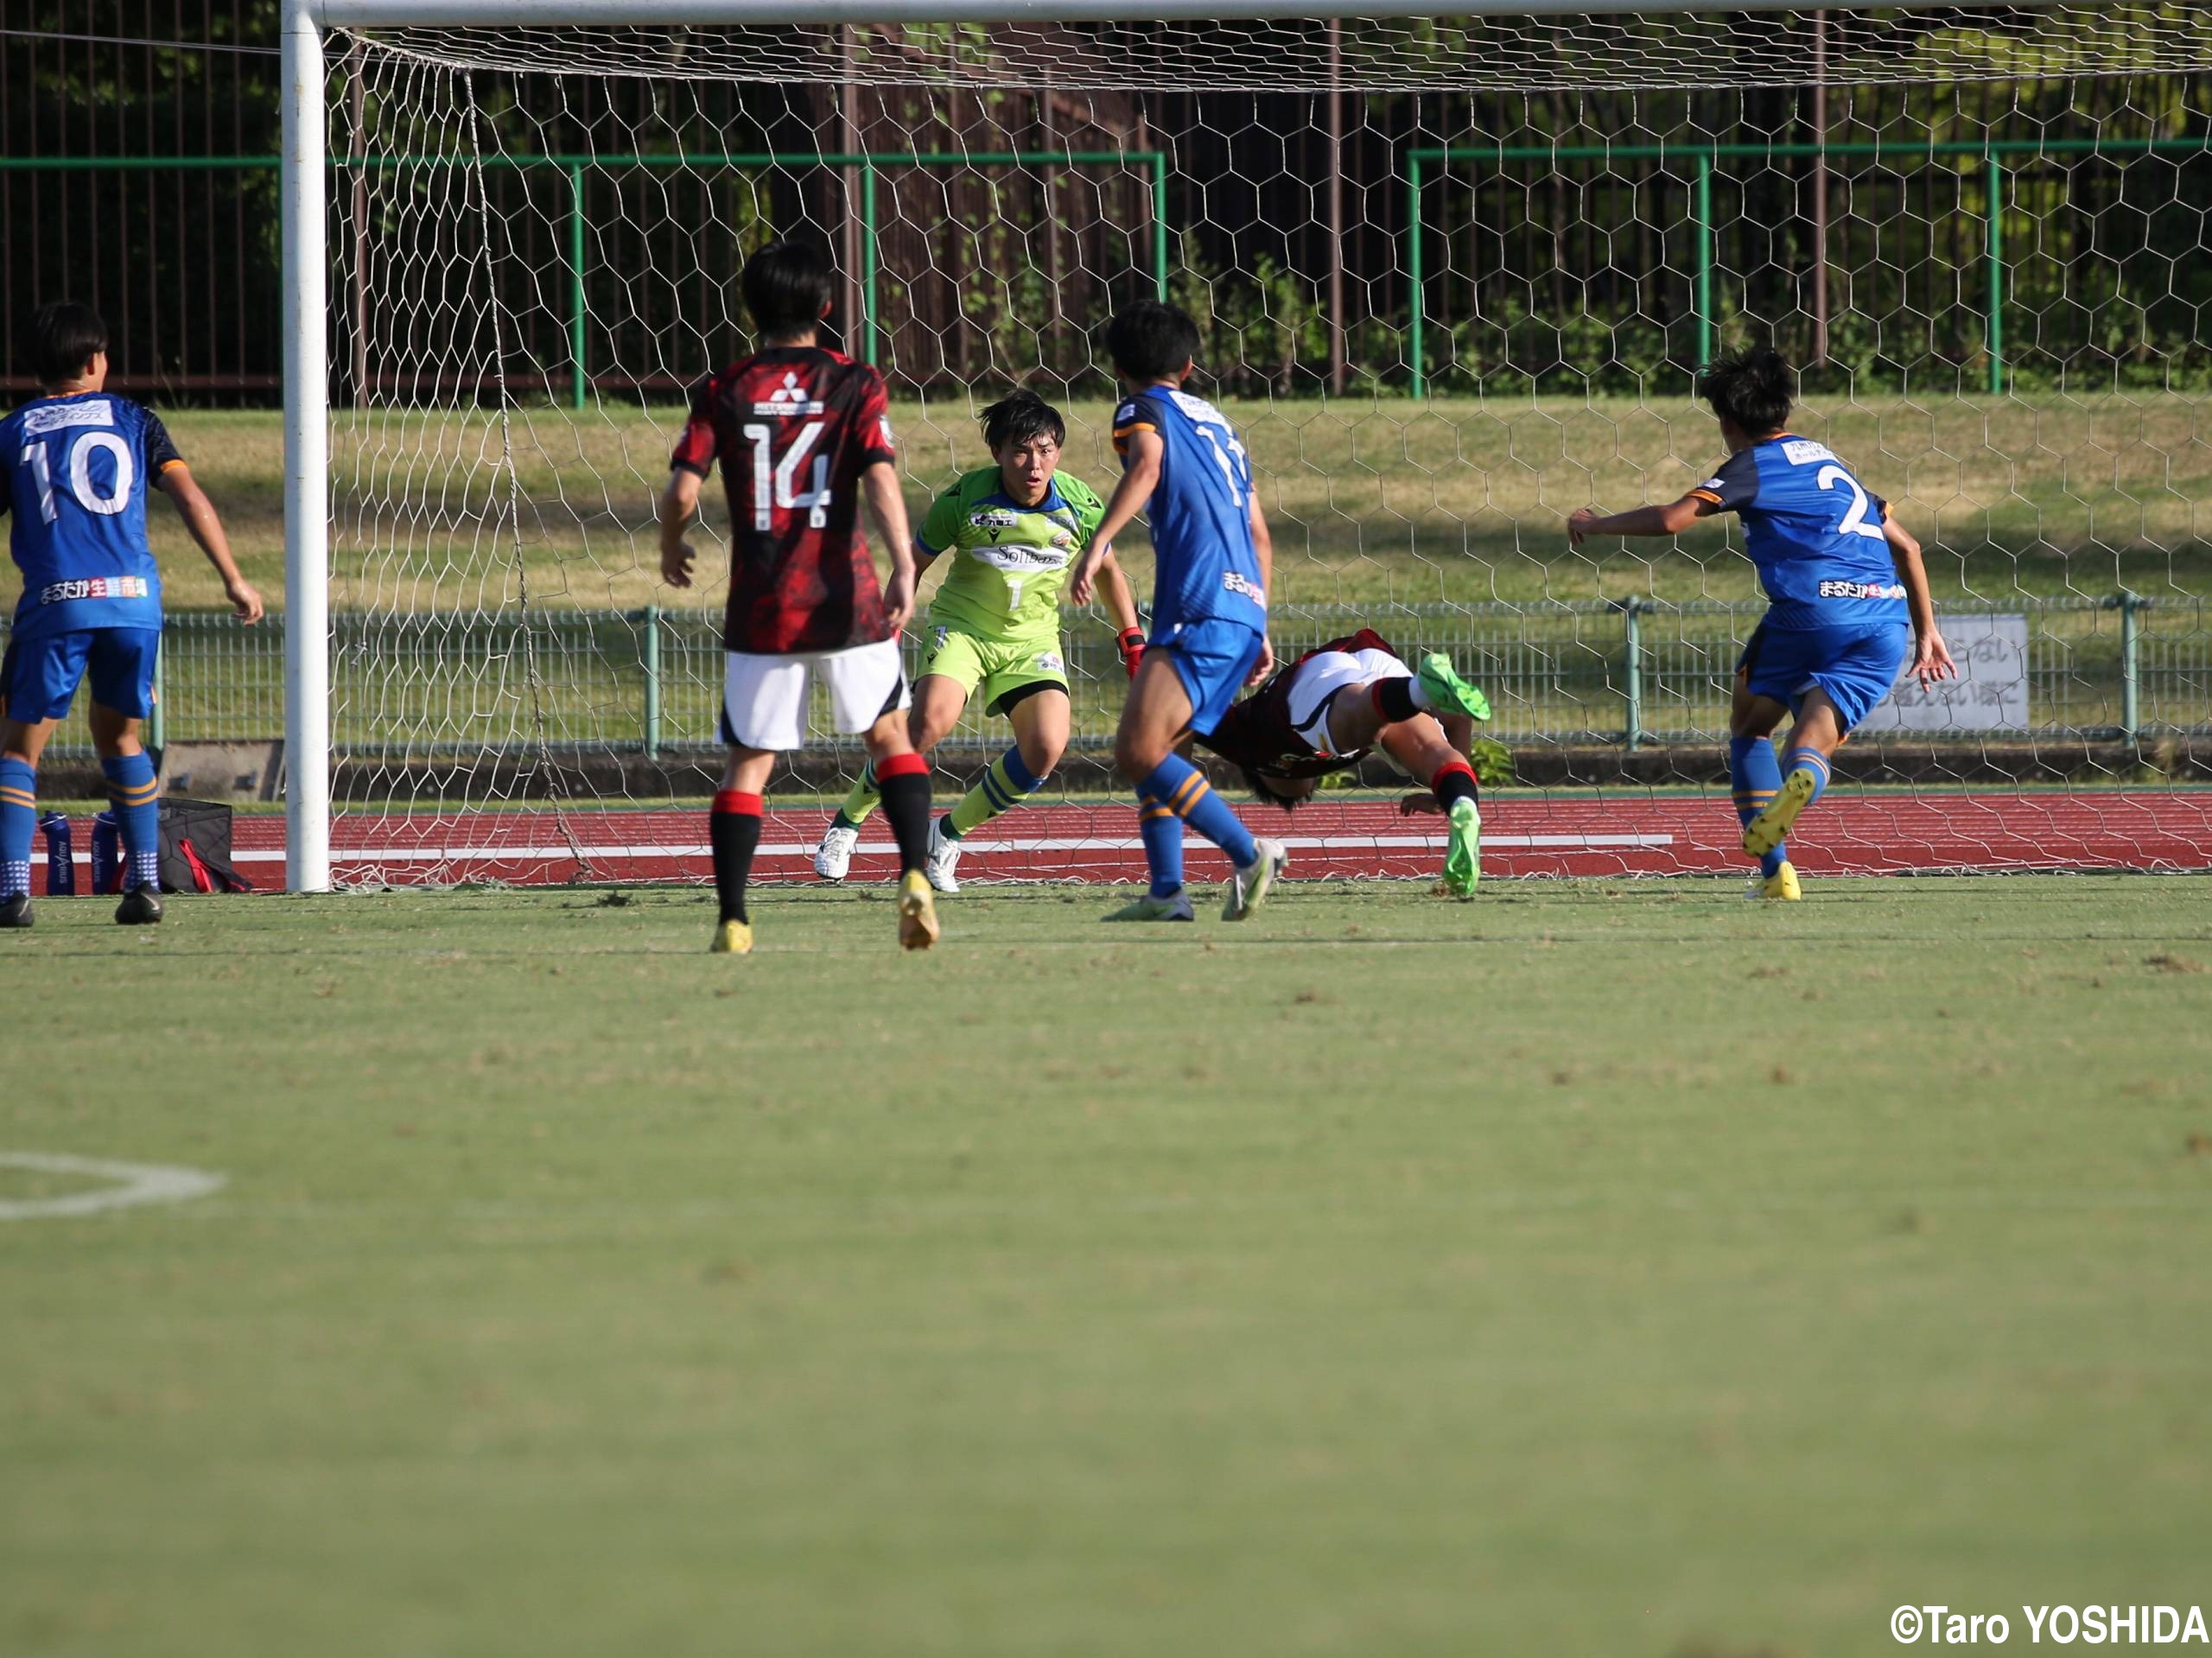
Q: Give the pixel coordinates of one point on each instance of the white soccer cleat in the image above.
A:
(1248, 887)
(835, 855)
(1149, 908)
(944, 859)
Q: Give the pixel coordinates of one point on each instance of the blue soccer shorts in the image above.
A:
(1856, 666)
(1211, 657)
(40, 676)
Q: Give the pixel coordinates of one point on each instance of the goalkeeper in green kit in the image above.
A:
(1012, 531)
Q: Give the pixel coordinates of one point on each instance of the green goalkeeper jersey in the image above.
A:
(1009, 562)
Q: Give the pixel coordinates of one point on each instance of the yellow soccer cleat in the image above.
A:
(732, 938)
(1771, 827)
(917, 912)
(1781, 885)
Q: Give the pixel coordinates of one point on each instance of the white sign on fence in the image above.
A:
(1990, 694)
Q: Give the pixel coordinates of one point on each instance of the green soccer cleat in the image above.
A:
(1249, 887)
(1463, 853)
(1447, 692)
(732, 938)
(1149, 908)
(1771, 827)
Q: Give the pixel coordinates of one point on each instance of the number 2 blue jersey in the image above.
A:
(1204, 565)
(78, 469)
(1815, 533)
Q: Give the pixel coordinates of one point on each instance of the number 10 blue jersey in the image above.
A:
(78, 469)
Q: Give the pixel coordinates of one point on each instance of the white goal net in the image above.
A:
(1453, 277)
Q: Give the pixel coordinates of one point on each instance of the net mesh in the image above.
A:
(1926, 45)
(1453, 279)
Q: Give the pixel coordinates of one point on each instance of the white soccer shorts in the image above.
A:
(765, 697)
(1320, 677)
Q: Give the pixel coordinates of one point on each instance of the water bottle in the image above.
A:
(107, 853)
(60, 865)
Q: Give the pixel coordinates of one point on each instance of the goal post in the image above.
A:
(1454, 265)
(304, 123)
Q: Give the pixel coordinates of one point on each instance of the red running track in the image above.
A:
(1575, 833)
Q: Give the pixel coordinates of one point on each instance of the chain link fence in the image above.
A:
(1635, 674)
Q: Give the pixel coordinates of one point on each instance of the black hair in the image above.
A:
(62, 339)
(1752, 390)
(787, 290)
(1150, 340)
(1022, 418)
(1258, 785)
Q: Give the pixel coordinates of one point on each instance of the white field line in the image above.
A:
(135, 1184)
(887, 849)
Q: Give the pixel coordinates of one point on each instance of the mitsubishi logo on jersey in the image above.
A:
(788, 399)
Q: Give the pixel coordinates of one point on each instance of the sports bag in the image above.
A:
(196, 848)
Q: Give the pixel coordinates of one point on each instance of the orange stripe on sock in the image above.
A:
(1191, 804)
(1180, 799)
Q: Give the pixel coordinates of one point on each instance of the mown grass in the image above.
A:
(1599, 1267)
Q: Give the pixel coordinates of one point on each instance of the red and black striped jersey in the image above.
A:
(793, 428)
(1260, 734)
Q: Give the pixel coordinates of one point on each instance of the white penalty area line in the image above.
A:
(133, 1184)
(887, 849)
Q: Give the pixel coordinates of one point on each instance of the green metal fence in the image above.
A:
(2123, 668)
(1998, 156)
(576, 169)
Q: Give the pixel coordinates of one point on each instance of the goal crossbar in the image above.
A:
(651, 14)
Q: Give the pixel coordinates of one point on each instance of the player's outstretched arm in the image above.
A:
(1138, 481)
(1931, 656)
(1668, 520)
(677, 503)
(887, 505)
(197, 512)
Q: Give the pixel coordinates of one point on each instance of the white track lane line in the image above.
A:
(886, 849)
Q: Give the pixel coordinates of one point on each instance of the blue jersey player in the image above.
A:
(1847, 599)
(1209, 639)
(79, 460)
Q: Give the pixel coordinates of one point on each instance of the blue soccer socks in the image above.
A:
(1163, 846)
(131, 791)
(18, 823)
(1811, 760)
(1758, 778)
(1182, 789)
(1807, 777)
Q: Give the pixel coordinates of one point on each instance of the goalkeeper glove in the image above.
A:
(1131, 645)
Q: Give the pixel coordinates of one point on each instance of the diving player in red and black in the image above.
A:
(802, 434)
(1335, 705)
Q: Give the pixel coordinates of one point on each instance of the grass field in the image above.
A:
(1599, 1268)
(1454, 500)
